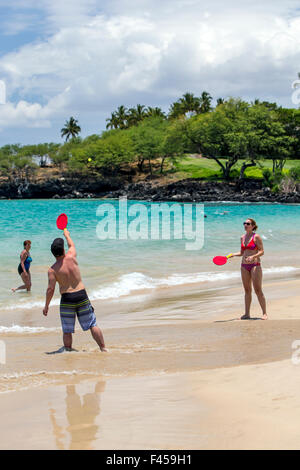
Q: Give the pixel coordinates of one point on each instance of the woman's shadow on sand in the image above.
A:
(238, 319)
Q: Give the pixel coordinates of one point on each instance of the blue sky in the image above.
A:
(84, 58)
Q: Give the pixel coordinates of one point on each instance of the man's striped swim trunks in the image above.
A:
(74, 304)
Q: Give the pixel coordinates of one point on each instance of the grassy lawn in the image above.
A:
(189, 167)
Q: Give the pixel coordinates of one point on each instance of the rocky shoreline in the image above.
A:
(189, 190)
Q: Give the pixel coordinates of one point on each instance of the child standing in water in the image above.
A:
(24, 267)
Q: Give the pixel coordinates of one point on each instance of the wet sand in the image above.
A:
(245, 407)
(212, 382)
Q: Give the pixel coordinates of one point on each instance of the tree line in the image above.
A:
(146, 139)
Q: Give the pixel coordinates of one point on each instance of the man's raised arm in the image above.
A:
(71, 245)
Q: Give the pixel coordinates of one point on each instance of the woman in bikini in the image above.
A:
(24, 267)
(251, 251)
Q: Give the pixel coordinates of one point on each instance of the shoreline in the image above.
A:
(184, 190)
(214, 384)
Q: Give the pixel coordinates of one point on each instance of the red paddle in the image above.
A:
(62, 221)
(220, 260)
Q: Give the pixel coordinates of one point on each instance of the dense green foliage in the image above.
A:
(238, 138)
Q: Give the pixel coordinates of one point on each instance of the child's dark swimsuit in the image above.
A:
(27, 263)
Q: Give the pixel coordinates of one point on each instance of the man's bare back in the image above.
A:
(67, 274)
(66, 269)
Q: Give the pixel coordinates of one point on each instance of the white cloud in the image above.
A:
(23, 114)
(99, 55)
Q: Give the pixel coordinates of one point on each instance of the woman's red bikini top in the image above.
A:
(251, 245)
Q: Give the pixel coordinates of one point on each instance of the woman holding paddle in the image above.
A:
(24, 267)
(251, 250)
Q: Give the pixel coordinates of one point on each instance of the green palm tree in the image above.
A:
(132, 117)
(140, 111)
(205, 102)
(155, 112)
(122, 117)
(190, 103)
(176, 110)
(71, 129)
(136, 115)
(112, 122)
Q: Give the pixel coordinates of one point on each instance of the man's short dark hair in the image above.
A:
(58, 247)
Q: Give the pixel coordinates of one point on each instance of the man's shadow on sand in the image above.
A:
(62, 350)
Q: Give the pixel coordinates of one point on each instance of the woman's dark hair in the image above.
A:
(26, 242)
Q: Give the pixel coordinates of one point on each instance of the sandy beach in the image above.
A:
(150, 201)
(220, 383)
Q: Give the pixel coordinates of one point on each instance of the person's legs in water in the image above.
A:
(29, 282)
(26, 278)
(67, 339)
(98, 337)
(87, 319)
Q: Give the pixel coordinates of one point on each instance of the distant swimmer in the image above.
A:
(251, 250)
(24, 267)
(222, 213)
(74, 299)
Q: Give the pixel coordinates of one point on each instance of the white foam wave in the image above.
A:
(21, 381)
(25, 329)
(26, 374)
(135, 281)
(280, 269)
(29, 305)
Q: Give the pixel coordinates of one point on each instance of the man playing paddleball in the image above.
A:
(74, 299)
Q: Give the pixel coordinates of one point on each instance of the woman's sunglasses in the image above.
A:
(247, 223)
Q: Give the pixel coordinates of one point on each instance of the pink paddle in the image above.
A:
(62, 221)
(221, 260)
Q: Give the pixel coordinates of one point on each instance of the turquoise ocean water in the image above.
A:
(115, 268)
